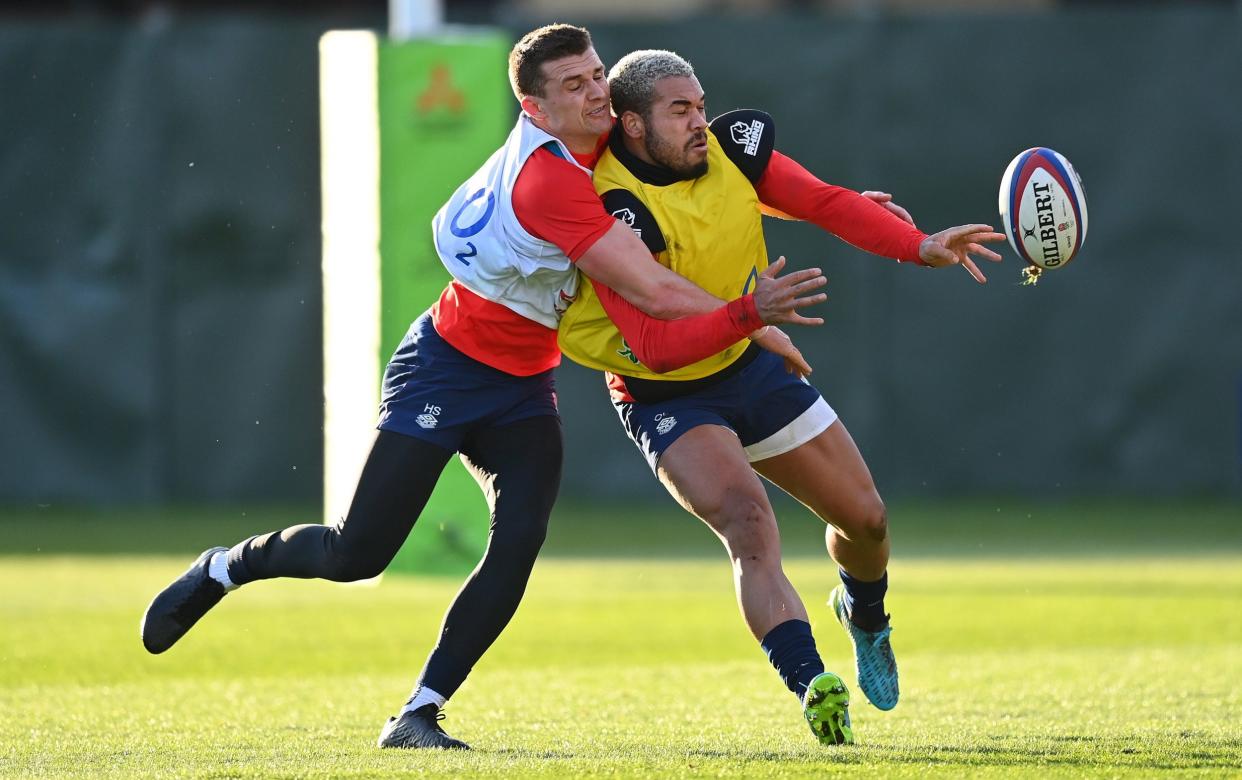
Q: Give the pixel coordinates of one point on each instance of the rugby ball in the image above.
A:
(1043, 208)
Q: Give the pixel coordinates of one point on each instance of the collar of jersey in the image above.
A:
(647, 173)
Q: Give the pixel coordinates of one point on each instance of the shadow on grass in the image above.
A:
(1074, 750)
(1093, 753)
(548, 755)
(1085, 751)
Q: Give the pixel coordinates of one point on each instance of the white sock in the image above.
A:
(218, 569)
(423, 695)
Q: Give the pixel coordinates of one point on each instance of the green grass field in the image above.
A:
(1069, 640)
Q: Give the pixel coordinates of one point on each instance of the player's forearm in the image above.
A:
(790, 188)
(619, 260)
(676, 296)
(666, 345)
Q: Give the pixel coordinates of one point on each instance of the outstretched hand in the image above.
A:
(776, 341)
(955, 245)
(779, 298)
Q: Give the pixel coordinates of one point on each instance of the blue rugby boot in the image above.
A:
(826, 707)
(873, 656)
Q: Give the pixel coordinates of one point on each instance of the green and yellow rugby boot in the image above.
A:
(826, 706)
(873, 656)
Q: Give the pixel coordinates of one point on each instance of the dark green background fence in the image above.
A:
(159, 252)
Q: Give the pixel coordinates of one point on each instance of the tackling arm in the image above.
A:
(667, 345)
(619, 260)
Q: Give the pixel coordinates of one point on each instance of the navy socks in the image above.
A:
(791, 649)
(864, 601)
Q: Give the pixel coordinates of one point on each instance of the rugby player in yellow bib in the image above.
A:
(694, 193)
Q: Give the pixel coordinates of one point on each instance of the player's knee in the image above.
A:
(749, 530)
(353, 571)
(520, 532)
(531, 535)
(874, 521)
(352, 566)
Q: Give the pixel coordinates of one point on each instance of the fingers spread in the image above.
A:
(974, 271)
(962, 231)
(985, 252)
(983, 237)
(799, 277)
(810, 300)
(808, 285)
(793, 318)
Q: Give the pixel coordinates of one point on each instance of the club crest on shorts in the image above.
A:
(428, 419)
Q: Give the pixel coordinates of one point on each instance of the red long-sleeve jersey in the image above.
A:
(787, 186)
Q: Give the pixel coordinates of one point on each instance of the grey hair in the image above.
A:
(632, 80)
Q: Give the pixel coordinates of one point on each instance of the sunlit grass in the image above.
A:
(1035, 664)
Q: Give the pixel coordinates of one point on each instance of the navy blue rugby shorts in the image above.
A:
(770, 410)
(434, 392)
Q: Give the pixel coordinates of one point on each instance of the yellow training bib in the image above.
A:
(714, 237)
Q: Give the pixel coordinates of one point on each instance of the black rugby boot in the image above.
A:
(181, 604)
(418, 729)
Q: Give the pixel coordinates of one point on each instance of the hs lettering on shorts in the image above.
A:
(428, 419)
